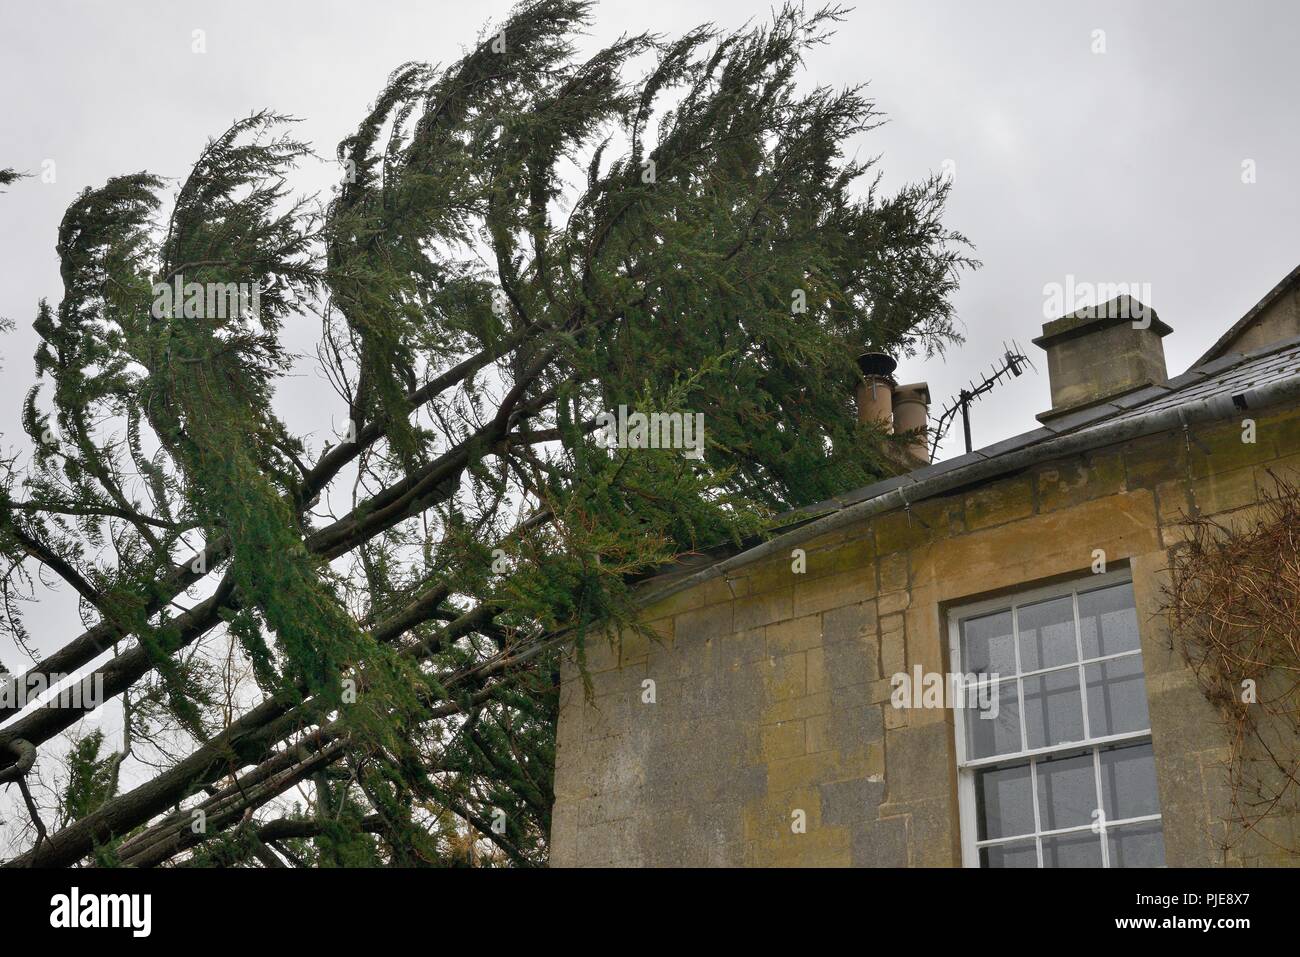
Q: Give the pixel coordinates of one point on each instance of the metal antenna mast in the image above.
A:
(1013, 361)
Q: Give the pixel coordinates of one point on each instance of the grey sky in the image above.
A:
(1122, 166)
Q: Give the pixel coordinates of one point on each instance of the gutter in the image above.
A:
(1214, 408)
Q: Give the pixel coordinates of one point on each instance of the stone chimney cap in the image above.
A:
(1096, 318)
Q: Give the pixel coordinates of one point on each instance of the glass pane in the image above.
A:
(1004, 802)
(1108, 621)
(1046, 634)
(988, 734)
(988, 646)
(1053, 708)
(1128, 782)
(1117, 697)
(1019, 854)
(1072, 850)
(1067, 791)
(1136, 845)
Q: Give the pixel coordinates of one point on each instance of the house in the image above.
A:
(967, 664)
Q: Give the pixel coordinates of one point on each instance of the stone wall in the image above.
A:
(765, 698)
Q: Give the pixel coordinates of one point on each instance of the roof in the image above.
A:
(1231, 374)
(1220, 347)
(1206, 391)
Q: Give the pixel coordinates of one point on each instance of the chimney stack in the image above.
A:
(876, 393)
(1102, 352)
(895, 408)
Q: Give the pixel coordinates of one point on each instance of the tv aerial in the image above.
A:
(1012, 364)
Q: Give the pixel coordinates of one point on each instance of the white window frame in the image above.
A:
(966, 768)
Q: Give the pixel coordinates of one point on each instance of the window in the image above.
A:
(1057, 769)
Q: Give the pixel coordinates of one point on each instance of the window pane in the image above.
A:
(1128, 782)
(1004, 802)
(1136, 845)
(988, 646)
(1072, 850)
(1067, 791)
(995, 735)
(1117, 696)
(1108, 621)
(1018, 854)
(1046, 634)
(1053, 709)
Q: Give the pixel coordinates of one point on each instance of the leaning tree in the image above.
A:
(345, 651)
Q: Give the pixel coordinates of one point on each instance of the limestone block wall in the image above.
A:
(765, 699)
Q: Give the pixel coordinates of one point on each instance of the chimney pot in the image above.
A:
(876, 393)
(1102, 352)
(912, 412)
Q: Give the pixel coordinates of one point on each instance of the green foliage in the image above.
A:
(521, 241)
(9, 176)
(91, 779)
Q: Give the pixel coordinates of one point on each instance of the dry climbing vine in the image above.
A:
(1234, 600)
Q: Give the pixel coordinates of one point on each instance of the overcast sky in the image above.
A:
(1117, 166)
